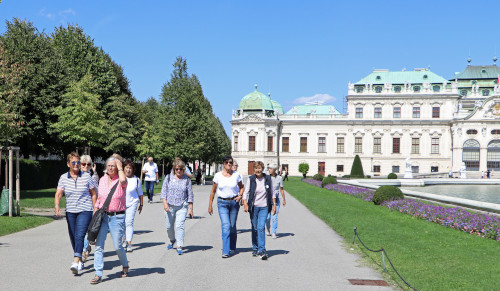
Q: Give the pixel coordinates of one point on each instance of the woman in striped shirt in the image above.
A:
(79, 189)
(114, 219)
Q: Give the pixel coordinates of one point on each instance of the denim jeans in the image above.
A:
(274, 217)
(85, 243)
(150, 186)
(116, 226)
(228, 213)
(176, 215)
(77, 227)
(129, 221)
(258, 216)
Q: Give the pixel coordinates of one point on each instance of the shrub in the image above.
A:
(387, 193)
(346, 176)
(328, 180)
(368, 176)
(318, 177)
(357, 168)
(304, 168)
(392, 176)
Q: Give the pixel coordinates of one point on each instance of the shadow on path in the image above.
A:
(243, 230)
(135, 273)
(190, 249)
(270, 253)
(139, 232)
(278, 235)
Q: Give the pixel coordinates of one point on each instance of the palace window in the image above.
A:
(378, 112)
(471, 131)
(376, 169)
(416, 112)
(397, 89)
(395, 169)
(251, 143)
(486, 92)
(416, 89)
(434, 169)
(358, 145)
(322, 144)
(340, 168)
(495, 131)
(340, 144)
(359, 112)
(397, 112)
(414, 169)
(415, 145)
(303, 144)
(435, 145)
(435, 88)
(285, 144)
(396, 146)
(435, 112)
(235, 143)
(269, 143)
(463, 92)
(378, 89)
(377, 145)
(359, 89)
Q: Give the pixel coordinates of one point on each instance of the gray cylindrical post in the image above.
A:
(383, 258)
(18, 184)
(11, 176)
(354, 237)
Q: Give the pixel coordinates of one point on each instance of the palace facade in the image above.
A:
(391, 116)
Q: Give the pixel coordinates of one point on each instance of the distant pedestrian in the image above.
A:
(228, 186)
(450, 174)
(88, 167)
(277, 189)
(488, 174)
(198, 176)
(286, 175)
(482, 174)
(177, 197)
(151, 171)
(114, 218)
(259, 201)
(235, 169)
(134, 201)
(79, 189)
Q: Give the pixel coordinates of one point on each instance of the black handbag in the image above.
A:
(96, 221)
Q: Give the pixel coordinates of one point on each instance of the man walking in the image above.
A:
(151, 171)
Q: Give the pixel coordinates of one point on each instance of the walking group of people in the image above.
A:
(86, 193)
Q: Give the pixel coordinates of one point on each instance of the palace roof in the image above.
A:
(479, 72)
(418, 76)
(313, 109)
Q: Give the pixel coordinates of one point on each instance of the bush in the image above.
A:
(318, 177)
(328, 180)
(304, 168)
(392, 176)
(346, 176)
(387, 193)
(368, 176)
(357, 168)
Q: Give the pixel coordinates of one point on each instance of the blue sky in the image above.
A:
(292, 49)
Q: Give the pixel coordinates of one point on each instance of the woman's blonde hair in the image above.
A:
(179, 163)
(86, 158)
(258, 164)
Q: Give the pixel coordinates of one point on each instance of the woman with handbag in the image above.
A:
(79, 189)
(113, 183)
(258, 199)
(177, 197)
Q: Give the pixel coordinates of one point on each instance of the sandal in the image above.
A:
(85, 255)
(124, 273)
(96, 280)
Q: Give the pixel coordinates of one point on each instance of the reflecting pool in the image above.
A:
(484, 193)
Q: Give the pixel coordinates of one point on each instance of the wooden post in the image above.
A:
(11, 176)
(18, 184)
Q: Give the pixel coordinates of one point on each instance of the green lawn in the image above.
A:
(429, 256)
(14, 224)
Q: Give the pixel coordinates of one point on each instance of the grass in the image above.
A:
(10, 225)
(427, 255)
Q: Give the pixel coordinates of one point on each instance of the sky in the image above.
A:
(298, 51)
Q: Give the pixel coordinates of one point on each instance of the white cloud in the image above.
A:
(320, 98)
(46, 14)
(67, 11)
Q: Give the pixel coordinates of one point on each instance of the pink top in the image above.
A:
(118, 201)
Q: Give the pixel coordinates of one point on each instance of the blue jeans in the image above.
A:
(116, 226)
(129, 221)
(77, 227)
(275, 218)
(228, 213)
(258, 216)
(150, 187)
(85, 243)
(176, 215)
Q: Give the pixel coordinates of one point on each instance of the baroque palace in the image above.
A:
(391, 116)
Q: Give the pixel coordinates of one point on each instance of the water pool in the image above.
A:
(484, 193)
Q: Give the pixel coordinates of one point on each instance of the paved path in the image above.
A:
(307, 255)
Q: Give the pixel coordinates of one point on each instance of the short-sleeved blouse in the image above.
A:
(277, 184)
(78, 198)
(227, 187)
(118, 201)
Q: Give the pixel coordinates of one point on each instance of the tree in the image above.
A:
(121, 120)
(357, 168)
(304, 168)
(80, 121)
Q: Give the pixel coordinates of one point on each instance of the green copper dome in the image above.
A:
(277, 107)
(256, 101)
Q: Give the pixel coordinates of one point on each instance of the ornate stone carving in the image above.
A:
(252, 118)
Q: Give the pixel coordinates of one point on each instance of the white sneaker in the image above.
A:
(273, 235)
(80, 266)
(74, 268)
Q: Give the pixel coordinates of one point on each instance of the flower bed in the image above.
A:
(483, 225)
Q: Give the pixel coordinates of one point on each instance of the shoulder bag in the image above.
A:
(96, 221)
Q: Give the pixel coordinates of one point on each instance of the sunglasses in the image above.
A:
(179, 169)
(75, 163)
(86, 164)
(229, 162)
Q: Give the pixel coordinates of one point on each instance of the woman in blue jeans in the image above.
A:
(228, 185)
(79, 189)
(277, 188)
(258, 199)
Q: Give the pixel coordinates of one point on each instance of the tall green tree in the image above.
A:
(121, 116)
(80, 121)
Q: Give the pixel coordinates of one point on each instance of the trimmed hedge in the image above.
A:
(387, 193)
(392, 176)
(357, 168)
(318, 177)
(328, 180)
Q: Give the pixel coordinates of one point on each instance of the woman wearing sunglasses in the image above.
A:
(229, 188)
(79, 189)
(88, 167)
(177, 197)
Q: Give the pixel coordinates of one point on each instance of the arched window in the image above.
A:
(493, 156)
(471, 131)
(495, 131)
(470, 154)
(435, 88)
(378, 89)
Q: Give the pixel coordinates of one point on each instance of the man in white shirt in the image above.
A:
(150, 169)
